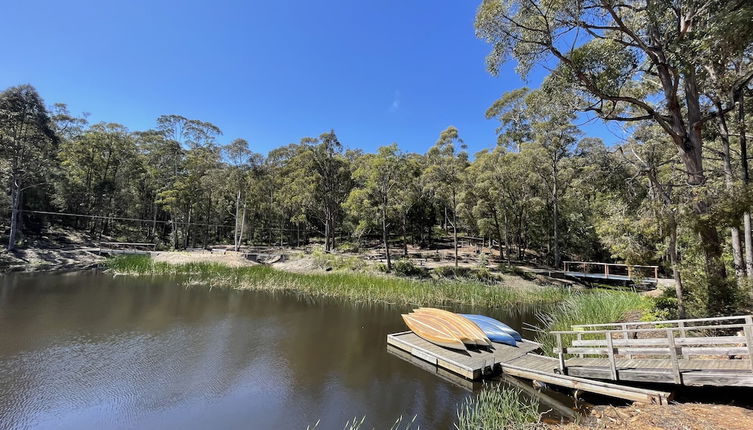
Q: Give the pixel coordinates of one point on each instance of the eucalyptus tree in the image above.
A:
(446, 166)
(195, 140)
(28, 143)
(485, 183)
(629, 62)
(380, 176)
(238, 156)
(331, 179)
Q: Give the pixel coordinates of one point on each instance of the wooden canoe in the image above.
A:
(430, 330)
(468, 327)
(457, 330)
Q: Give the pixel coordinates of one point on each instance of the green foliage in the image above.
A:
(597, 307)
(405, 267)
(329, 261)
(346, 285)
(477, 274)
(499, 408)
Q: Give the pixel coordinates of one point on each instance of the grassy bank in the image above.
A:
(596, 307)
(350, 285)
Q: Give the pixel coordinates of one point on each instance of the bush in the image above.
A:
(337, 262)
(497, 408)
(516, 271)
(348, 247)
(405, 267)
(452, 272)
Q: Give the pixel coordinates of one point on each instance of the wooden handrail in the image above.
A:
(596, 263)
(642, 330)
(683, 321)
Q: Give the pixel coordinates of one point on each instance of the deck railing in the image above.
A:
(614, 270)
(677, 340)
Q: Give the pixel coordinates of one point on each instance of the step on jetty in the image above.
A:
(602, 358)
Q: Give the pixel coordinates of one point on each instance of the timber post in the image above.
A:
(673, 355)
(610, 351)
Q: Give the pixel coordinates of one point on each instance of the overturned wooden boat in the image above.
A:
(465, 326)
(434, 330)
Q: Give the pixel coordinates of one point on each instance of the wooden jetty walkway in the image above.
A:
(607, 272)
(693, 352)
(514, 361)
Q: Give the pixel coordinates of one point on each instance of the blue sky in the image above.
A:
(270, 72)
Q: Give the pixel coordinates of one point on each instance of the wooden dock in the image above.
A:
(695, 352)
(517, 361)
(591, 271)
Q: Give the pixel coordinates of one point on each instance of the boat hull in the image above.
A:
(468, 328)
(499, 324)
(433, 331)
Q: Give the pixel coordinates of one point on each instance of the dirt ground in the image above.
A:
(687, 416)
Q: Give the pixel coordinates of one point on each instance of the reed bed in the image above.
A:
(498, 408)
(595, 307)
(349, 285)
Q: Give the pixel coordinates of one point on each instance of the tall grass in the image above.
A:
(351, 285)
(497, 408)
(597, 307)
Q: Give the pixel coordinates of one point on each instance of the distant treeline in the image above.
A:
(676, 76)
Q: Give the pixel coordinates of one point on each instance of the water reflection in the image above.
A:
(87, 350)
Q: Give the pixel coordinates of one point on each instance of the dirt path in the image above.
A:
(687, 416)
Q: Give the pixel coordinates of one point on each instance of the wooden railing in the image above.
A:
(607, 269)
(126, 244)
(675, 340)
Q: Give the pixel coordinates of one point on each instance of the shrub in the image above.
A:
(405, 267)
(497, 408)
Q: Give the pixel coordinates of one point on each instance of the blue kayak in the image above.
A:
(494, 334)
(478, 319)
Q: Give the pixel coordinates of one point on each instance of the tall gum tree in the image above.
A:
(632, 61)
(28, 143)
(445, 171)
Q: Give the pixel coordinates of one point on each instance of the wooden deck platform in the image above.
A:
(517, 361)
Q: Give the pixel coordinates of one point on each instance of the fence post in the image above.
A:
(673, 356)
(749, 340)
(610, 351)
(561, 354)
(606, 271)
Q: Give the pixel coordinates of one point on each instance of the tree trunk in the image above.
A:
(555, 230)
(385, 236)
(455, 233)
(243, 226)
(499, 234)
(188, 229)
(15, 202)
(236, 240)
(674, 261)
(737, 253)
(747, 234)
(405, 237)
(720, 297)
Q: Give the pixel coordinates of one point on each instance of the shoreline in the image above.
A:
(354, 285)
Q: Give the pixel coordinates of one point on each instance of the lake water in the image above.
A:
(87, 350)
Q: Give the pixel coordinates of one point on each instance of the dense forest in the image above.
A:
(676, 192)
